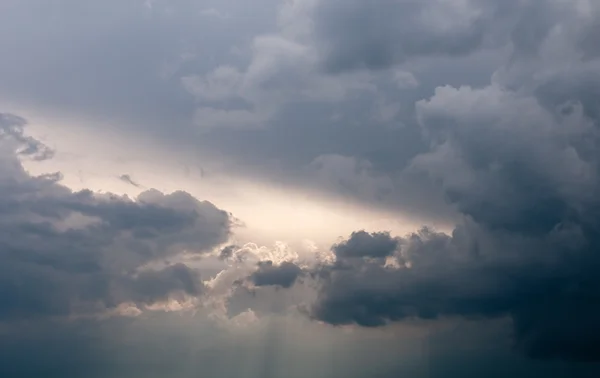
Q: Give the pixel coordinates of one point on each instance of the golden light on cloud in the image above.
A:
(103, 162)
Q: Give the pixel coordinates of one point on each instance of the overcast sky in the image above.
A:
(299, 188)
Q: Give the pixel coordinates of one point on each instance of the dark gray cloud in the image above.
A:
(491, 104)
(128, 180)
(84, 248)
(150, 286)
(227, 252)
(12, 126)
(527, 247)
(283, 275)
(364, 244)
(364, 113)
(360, 34)
(518, 158)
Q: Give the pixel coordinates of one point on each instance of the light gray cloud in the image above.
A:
(117, 61)
(263, 99)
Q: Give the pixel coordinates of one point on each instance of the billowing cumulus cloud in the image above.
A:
(283, 275)
(12, 126)
(361, 34)
(477, 119)
(363, 244)
(522, 176)
(79, 253)
(517, 158)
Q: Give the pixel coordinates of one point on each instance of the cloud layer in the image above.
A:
(522, 173)
(479, 116)
(78, 253)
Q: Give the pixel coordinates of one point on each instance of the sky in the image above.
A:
(299, 188)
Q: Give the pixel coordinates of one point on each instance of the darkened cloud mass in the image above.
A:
(12, 126)
(78, 253)
(522, 176)
(283, 275)
(363, 244)
(456, 142)
(360, 34)
(519, 161)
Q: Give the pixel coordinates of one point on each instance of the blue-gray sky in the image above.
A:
(291, 188)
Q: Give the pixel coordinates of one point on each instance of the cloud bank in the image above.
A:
(84, 249)
(480, 116)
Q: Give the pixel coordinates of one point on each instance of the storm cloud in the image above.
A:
(283, 275)
(455, 141)
(522, 176)
(84, 248)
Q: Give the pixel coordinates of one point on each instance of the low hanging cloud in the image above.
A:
(12, 126)
(357, 34)
(517, 158)
(85, 249)
(490, 104)
(522, 177)
(363, 244)
(360, 34)
(126, 178)
(283, 275)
